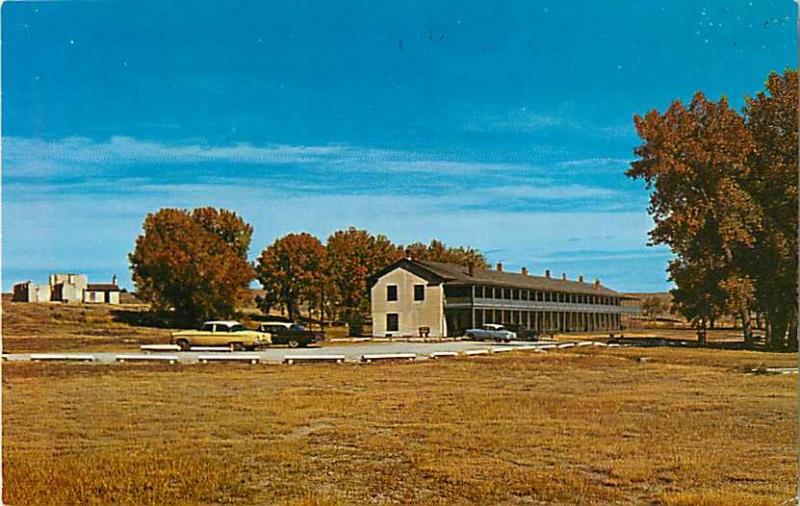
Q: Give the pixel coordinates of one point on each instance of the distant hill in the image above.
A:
(662, 296)
(636, 299)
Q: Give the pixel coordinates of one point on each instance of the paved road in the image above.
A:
(352, 353)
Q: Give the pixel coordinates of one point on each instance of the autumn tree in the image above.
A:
(724, 198)
(292, 271)
(192, 263)
(772, 119)
(437, 251)
(699, 296)
(652, 306)
(226, 225)
(694, 159)
(353, 256)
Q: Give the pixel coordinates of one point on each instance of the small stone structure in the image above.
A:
(67, 287)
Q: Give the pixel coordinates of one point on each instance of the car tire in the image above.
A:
(183, 344)
(237, 346)
(470, 335)
(293, 343)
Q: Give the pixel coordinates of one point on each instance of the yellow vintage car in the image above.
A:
(221, 333)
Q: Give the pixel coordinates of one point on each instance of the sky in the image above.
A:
(505, 126)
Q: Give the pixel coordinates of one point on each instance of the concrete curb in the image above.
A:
(172, 359)
(41, 357)
(291, 359)
(470, 353)
(253, 359)
(367, 358)
(160, 347)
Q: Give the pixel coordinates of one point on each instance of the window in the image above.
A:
(419, 292)
(391, 293)
(208, 327)
(392, 322)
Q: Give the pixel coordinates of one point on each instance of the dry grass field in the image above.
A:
(31, 328)
(581, 426)
(54, 327)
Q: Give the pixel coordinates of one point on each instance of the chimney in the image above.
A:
(114, 279)
(499, 266)
(524, 271)
(563, 276)
(597, 283)
(580, 278)
(471, 269)
(547, 273)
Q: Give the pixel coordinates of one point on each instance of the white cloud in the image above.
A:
(492, 119)
(594, 162)
(553, 192)
(90, 227)
(75, 156)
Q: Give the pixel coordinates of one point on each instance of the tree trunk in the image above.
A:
(791, 339)
(777, 331)
(322, 308)
(747, 330)
(701, 332)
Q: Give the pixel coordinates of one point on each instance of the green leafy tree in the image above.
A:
(181, 264)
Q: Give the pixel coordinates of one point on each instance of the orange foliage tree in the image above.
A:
(437, 251)
(292, 270)
(192, 263)
(353, 256)
(772, 119)
(712, 175)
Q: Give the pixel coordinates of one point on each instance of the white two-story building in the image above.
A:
(412, 296)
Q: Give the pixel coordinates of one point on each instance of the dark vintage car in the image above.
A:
(291, 334)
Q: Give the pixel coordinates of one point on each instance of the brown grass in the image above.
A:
(583, 426)
(51, 327)
(55, 326)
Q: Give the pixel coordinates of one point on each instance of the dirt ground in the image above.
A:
(580, 426)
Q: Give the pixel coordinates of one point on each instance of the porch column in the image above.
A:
(472, 305)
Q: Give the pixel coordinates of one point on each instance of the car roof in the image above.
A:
(222, 322)
(277, 323)
(495, 325)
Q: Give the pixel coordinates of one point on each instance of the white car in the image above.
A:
(491, 331)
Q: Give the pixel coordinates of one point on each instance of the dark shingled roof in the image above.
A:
(454, 273)
(102, 287)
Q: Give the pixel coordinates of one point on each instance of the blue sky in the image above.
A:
(506, 126)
